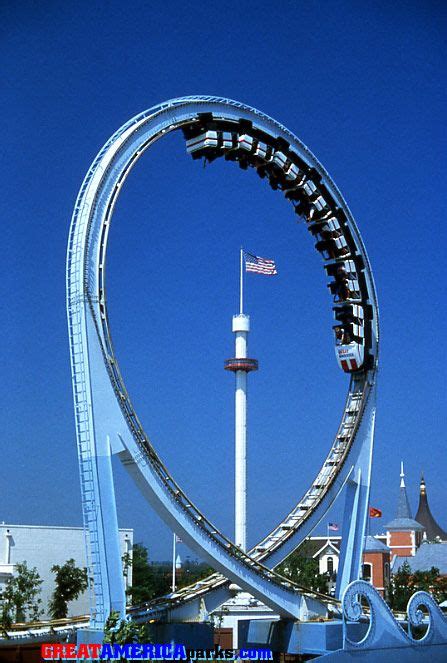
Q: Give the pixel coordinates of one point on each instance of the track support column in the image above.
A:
(357, 490)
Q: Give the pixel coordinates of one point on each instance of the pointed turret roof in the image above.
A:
(424, 516)
(403, 521)
(403, 505)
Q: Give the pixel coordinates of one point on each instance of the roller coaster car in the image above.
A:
(348, 312)
(345, 290)
(238, 147)
(251, 152)
(303, 207)
(245, 142)
(326, 228)
(348, 266)
(323, 216)
(350, 356)
(333, 247)
(310, 189)
(228, 140)
(316, 212)
(287, 174)
(305, 190)
(296, 194)
(276, 177)
(345, 286)
(279, 160)
(349, 336)
(318, 207)
(292, 172)
(281, 171)
(197, 145)
(261, 151)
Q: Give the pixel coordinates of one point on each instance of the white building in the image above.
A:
(42, 546)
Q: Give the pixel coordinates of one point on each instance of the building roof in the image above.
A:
(314, 545)
(427, 556)
(55, 527)
(327, 545)
(424, 516)
(374, 545)
(403, 521)
(404, 525)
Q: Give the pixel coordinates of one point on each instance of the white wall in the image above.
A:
(43, 546)
(322, 559)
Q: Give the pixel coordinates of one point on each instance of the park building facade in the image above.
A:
(376, 564)
(431, 540)
(404, 534)
(420, 541)
(42, 546)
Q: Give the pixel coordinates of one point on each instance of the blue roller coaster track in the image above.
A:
(106, 421)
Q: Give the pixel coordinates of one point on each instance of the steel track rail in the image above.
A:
(87, 256)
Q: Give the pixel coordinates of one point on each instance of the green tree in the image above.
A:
(126, 560)
(193, 571)
(400, 588)
(150, 581)
(301, 568)
(123, 632)
(70, 582)
(431, 581)
(127, 563)
(144, 587)
(19, 600)
(404, 583)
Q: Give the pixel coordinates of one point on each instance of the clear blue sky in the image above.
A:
(363, 85)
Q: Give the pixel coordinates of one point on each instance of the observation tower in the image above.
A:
(241, 365)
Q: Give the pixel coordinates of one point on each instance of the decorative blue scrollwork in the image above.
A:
(384, 631)
(436, 622)
(353, 611)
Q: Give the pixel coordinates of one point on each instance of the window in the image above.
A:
(367, 572)
(330, 565)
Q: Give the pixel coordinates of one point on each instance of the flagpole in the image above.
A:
(173, 563)
(241, 283)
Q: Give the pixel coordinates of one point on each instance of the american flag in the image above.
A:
(259, 265)
(333, 527)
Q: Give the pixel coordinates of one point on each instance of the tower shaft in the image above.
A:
(241, 365)
(240, 444)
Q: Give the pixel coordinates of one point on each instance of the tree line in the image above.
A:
(20, 601)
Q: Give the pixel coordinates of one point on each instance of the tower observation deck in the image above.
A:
(246, 365)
